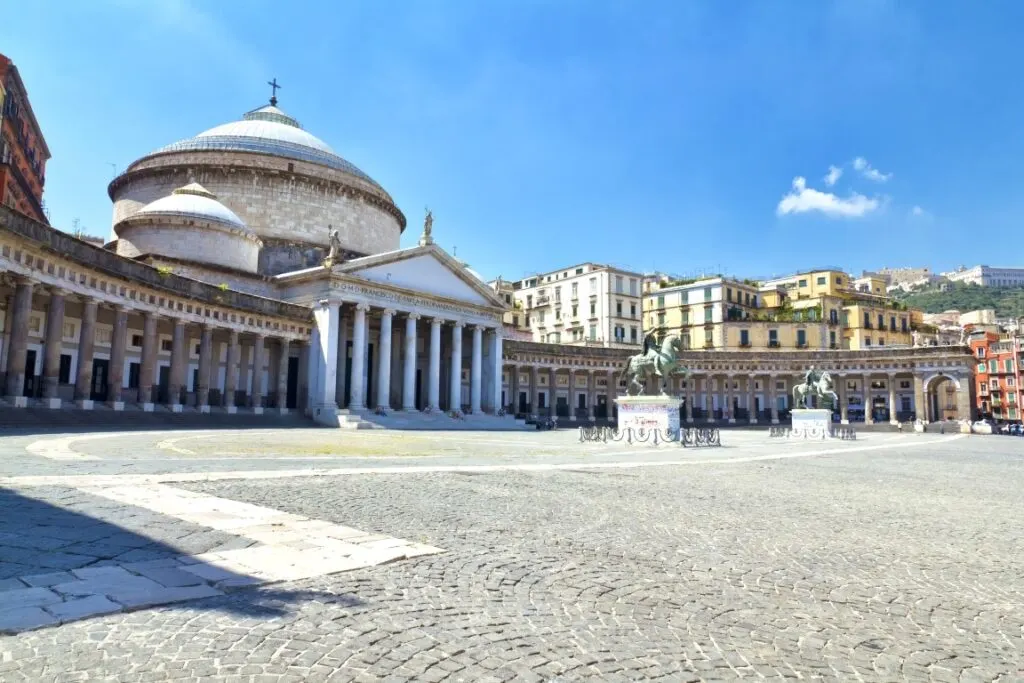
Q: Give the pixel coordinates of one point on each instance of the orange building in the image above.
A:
(23, 151)
(997, 375)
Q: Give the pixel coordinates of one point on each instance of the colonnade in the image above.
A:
(246, 353)
(341, 375)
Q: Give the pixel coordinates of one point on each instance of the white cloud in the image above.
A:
(861, 164)
(917, 211)
(803, 199)
(834, 174)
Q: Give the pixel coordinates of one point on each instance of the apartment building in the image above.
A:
(588, 304)
(997, 376)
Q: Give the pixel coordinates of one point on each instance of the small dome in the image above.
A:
(193, 201)
(269, 130)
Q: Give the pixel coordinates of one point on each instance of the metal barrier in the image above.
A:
(841, 433)
(696, 437)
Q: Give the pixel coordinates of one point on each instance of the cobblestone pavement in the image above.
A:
(899, 561)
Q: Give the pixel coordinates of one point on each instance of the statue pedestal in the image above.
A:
(811, 423)
(649, 412)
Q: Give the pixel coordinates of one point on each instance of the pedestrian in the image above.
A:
(899, 426)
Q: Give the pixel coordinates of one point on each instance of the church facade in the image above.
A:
(251, 268)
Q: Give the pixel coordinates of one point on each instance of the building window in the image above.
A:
(593, 309)
(515, 321)
(165, 345)
(593, 333)
(579, 271)
(558, 314)
(822, 280)
(661, 319)
(618, 308)
(881, 321)
(802, 283)
(801, 338)
(558, 293)
(981, 354)
(709, 340)
(728, 294)
(633, 286)
(593, 285)
(747, 298)
(903, 324)
(133, 375)
(618, 285)
(575, 310)
(686, 317)
(137, 340)
(881, 341)
(981, 368)
(540, 316)
(632, 310)
(773, 338)
(753, 301)
(708, 314)
(1008, 365)
(632, 334)
(832, 339)
(744, 338)
(892, 323)
(867, 341)
(574, 289)
(707, 294)
(993, 365)
(620, 333)
(1011, 381)
(686, 340)
(661, 301)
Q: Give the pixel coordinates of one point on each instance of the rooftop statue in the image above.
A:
(334, 252)
(654, 361)
(428, 228)
(819, 385)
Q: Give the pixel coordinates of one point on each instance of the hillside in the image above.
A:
(1007, 301)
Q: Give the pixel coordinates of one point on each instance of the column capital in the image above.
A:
(362, 306)
(458, 324)
(479, 328)
(436, 322)
(388, 312)
(123, 308)
(413, 316)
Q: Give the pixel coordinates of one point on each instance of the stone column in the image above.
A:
(258, 361)
(751, 401)
(327, 317)
(384, 361)
(964, 407)
(284, 352)
(409, 367)
(844, 403)
(866, 394)
(147, 363)
(892, 398)
(534, 391)
(920, 400)
(772, 380)
(513, 387)
(591, 394)
(205, 368)
(552, 391)
(475, 368)
(572, 394)
(434, 369)
(611, 391)
(497, 369)
(455, 385)
(118, 345)
(231, 371)
(18, 346)
(179, 358)
(86, 345)
(357, 393)
(302, 395)
(51, 358)
(730, 408)
(690, 394)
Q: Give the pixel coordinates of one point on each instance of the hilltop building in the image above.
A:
(987, 276)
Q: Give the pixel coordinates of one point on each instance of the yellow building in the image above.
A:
(819, 309)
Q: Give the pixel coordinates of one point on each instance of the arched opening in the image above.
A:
(943, 399)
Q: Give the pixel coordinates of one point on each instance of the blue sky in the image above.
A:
(682, 136)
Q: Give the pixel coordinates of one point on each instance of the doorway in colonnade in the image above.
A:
(601, 407)
(292, 392)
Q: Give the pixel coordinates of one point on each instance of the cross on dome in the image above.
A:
(274, 87)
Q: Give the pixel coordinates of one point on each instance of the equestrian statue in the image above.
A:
(654, 361)
(817, 384)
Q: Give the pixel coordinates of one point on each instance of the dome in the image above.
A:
(193, 201)
(269, 130)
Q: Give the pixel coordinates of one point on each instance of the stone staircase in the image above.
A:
(428, 421)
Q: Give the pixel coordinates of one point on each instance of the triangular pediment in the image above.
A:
(423, 269)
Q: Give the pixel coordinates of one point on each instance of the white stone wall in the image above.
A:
(192, 243)
(273, 204)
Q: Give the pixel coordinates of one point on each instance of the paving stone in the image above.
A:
(81, 608)
(27, 597)
(48, 579)
(170, 576)
(161, 596)
(11, 584)
(23, 619)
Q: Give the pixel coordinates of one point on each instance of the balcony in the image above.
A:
(543, 300)
(773, 344)
(801, 345)
(868, 326)
(744, 345)
(709, 345)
